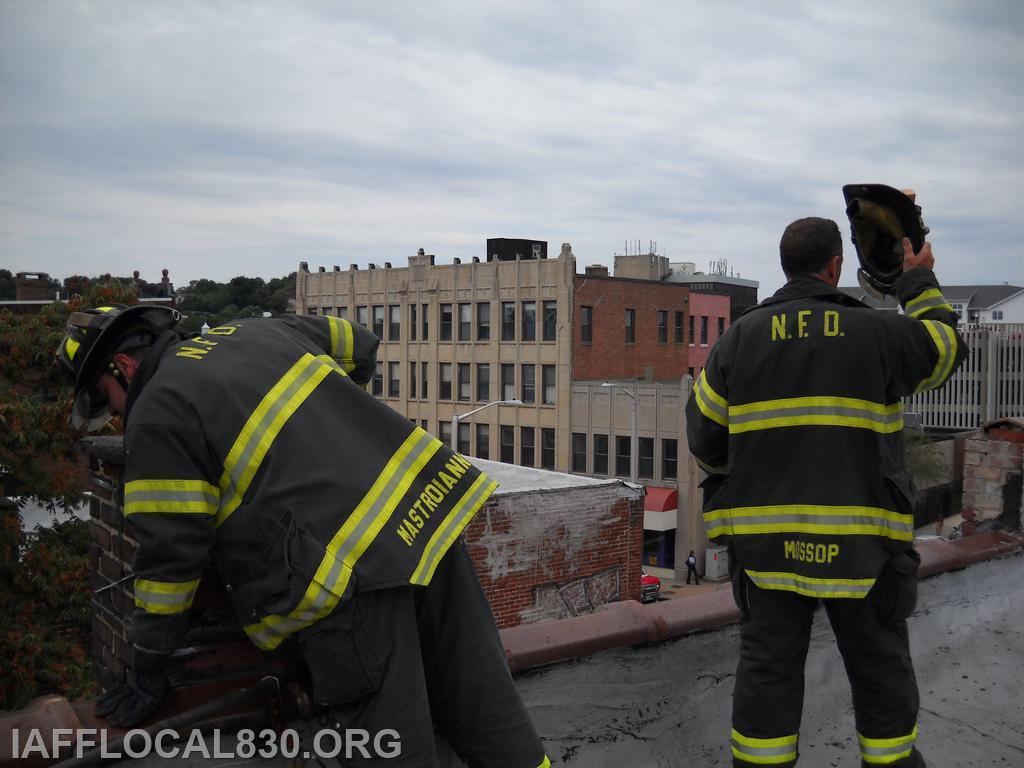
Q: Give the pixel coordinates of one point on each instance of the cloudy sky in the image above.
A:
(226, 138)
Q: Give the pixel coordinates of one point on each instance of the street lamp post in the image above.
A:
(456, 418)
(634, 442)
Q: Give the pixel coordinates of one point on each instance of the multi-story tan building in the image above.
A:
(455, 337)
(519, 326)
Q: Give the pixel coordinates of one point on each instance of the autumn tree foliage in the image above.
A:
(44, 574)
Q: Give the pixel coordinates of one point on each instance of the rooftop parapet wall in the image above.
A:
(993, 472)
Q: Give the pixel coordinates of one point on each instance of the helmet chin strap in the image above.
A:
(118, 375)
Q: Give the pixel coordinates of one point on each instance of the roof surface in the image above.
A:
(974, 296)
(670, 704)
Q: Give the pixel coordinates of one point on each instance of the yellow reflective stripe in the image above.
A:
(781, 749)
(350, 542)
(164, 597)
(262, 428)
(328, 360)
(816, 411)
(926, 301)
(711, 404)
(810, 586)
(546, 763)
(810, 518)
(171, 496)
(342, 342)
(945, 342)
(451, 527)
(885, 751)
(71, 347)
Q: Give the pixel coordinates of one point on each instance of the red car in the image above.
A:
(650, 588)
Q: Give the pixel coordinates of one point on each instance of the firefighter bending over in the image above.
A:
(797, 418)
(330, 518)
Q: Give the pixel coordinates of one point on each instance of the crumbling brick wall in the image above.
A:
(549, 554)
(993, 474)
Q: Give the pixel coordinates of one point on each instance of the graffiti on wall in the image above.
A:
(574, 598)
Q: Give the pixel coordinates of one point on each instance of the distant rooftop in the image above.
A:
(974, 297)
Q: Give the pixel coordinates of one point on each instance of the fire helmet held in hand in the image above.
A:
(880, 217)
(93, 337)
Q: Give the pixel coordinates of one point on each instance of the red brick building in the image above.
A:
(629, 328)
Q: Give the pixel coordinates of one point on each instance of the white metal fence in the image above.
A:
(989, 385)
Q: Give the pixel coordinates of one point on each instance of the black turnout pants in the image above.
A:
(409, 658)
(871, 634)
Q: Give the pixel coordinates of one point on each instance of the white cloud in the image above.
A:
(242, 137)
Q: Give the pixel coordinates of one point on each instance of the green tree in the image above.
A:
(37, 443)
(45, 606)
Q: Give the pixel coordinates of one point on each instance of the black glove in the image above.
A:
(130, 704)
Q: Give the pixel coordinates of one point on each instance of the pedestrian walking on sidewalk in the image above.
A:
(691, 568)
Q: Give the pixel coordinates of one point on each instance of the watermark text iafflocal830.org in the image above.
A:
(326, 743)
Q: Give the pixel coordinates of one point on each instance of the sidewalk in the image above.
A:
(673, 590)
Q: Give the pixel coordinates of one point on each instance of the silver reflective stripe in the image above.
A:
(740, 520)
(710, 402)
(937, 302)
(163, 597)
(345, 547)
(820, 587)
(883, 419)
(169, 501)
(743, 749)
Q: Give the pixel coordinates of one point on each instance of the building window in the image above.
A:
(426, 322)
(363, 316)
(579, 452)
(997, 314)
(508, 381)
(662, 326)
(703, 330)
(721, 326)
(669, 459)
(507, 436)
(444, 378)
(679, 327)
(547, 380)
(378, 320)
(343, 312)
(528, 383)
(508, 321)
(600, 454)
(412, 322)
(630, 326)
(424, 379)
(550, 320)
(423, 424)
(586, 324)
(446, 322)
(412, 381)
(526, 446)
(394, 380)
(444, 433)
(378, 379)
(693, 320)
(483, 441)
(529, 320)
(622, 456)
(645, 457)
(483, 382)
(483, 322)
(465, 386)
(547, 448)
(464, 432)
(312, 311)
(465, 322)
(394, 322)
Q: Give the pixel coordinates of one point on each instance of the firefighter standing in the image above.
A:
(797, 420)
(329, 516)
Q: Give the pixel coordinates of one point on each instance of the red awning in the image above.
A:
(661, 499)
